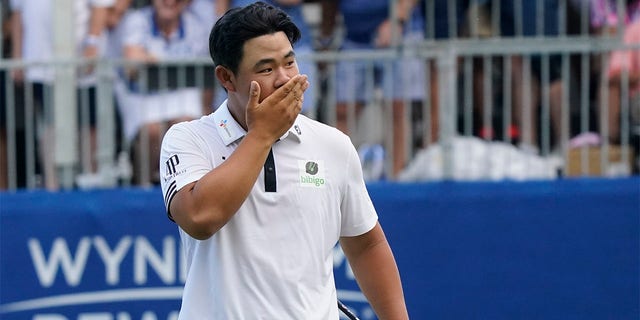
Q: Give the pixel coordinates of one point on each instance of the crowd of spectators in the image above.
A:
(150, 31)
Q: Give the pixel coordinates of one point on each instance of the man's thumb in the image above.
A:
(254, 94)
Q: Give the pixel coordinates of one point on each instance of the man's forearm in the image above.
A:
(211, 202)
(380, 283)
(377, 274)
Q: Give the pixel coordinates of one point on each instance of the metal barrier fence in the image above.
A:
(482, 115)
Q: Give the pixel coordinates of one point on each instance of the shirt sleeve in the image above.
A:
(134, 28)
(182, 161)
(358, 213)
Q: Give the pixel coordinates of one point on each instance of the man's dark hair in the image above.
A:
(239, 25)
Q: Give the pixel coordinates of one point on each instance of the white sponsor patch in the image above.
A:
(311, 173)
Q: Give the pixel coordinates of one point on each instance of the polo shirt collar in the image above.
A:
(155, 30)
(230, 130)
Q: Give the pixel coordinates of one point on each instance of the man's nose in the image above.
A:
(282, 76)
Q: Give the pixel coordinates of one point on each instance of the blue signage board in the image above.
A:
(102, 255)
(562, 249)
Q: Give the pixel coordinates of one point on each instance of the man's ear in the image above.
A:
(226, 78)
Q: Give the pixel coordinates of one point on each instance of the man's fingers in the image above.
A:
(254, 94)
(290, 88)
(299, 91)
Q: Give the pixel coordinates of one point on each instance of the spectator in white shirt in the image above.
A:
(165, 30)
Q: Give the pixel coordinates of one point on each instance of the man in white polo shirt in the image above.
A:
(262, 194)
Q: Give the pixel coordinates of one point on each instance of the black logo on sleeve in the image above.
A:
(171, 165)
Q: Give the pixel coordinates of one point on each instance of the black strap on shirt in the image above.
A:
(270, 173)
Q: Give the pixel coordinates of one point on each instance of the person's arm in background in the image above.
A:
(16, 43)
(394, 25)
(328, 23)
(135, 53)
(376, 272)
(133, 49)
(288, 3)
(116, 12)
(6, 23)
(97, 25)
(222, 6)
(632, 36)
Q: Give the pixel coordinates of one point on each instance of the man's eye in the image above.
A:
(265, 70)
(292, 62)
